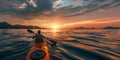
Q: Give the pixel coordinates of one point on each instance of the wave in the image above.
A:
(72, 45)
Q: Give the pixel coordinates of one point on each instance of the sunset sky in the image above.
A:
(61, 13)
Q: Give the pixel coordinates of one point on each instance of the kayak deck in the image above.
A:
(38, 47)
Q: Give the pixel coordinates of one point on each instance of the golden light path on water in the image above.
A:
(55, 28)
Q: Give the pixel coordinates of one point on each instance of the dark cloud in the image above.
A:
(88, 6)
(25, 6)
(30, 9)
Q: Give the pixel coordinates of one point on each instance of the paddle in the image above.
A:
(54, 42)
(30, 31)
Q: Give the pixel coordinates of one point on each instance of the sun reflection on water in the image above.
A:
(55, 32)
(55, 29)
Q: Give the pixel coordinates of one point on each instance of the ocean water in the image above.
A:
(85, 44)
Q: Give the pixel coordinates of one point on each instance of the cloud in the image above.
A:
(62, 7)
(96, 22)
(25, 6)
(86, 6)
(57, 3)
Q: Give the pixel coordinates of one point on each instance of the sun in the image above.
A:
(55, 26)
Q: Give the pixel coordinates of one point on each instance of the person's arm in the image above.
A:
(34, 36)
(48, 39)
(43, 36)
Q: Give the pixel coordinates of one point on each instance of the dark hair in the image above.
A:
(39, 31)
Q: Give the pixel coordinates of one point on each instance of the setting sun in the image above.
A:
(55, 26)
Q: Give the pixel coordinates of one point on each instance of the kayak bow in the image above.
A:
(38, 52)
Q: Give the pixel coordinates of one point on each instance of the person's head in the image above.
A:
(39, 31)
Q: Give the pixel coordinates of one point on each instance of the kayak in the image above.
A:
(38, 52)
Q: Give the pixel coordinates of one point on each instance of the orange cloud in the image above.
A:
(95, 23)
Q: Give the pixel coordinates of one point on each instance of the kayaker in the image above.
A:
(39, 39)
(39, 50)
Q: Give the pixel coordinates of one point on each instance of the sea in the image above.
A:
(72, 44)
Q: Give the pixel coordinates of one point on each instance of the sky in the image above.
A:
(62, 13)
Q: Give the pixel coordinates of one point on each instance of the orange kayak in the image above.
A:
(38, 52)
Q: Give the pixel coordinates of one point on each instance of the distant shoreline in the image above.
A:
(5, 25)
(51, 29)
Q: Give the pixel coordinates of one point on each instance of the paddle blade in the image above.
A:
(30, 31)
